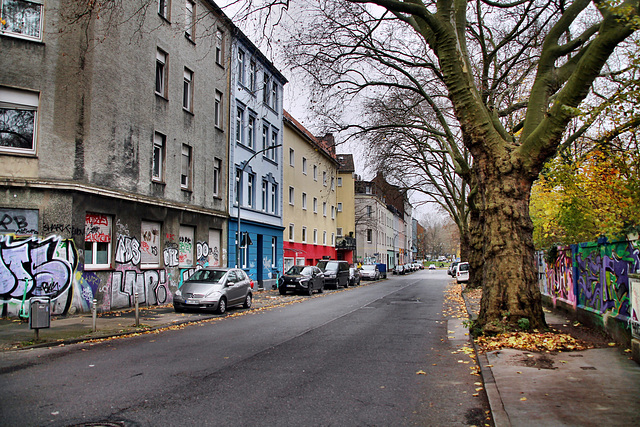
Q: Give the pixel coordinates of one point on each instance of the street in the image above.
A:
(382, 354)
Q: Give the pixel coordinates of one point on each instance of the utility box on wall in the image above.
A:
(40, 313)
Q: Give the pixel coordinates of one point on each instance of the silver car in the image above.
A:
(214, 289)
(370, 272)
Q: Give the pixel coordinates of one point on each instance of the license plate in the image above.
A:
(192, 301)
(291, 286)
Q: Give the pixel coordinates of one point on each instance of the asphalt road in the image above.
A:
(383, 354)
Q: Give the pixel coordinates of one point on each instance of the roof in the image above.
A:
(319, 143)
(346, 163)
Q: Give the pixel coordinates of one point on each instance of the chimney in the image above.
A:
(330, 144)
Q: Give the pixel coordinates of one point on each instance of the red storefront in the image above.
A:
(294, 253)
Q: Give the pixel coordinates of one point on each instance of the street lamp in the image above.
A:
(239, 198)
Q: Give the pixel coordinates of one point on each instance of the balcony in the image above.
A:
(346, 243)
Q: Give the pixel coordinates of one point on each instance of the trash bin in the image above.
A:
(40, 312)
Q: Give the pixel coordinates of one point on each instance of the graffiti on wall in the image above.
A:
(36, 267)
(594, 276)
(19, 221)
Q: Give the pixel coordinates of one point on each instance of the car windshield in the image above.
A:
(207, 276)
(369, 267)
(464, 267)
(327, 265)
(300, 270)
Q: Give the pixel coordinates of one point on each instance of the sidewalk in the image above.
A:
(595, 387)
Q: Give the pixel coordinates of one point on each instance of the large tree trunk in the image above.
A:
(509, 279)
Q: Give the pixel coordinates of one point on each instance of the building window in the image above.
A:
(185, 246)
(369, 235)
(274, 95)
(315, 205)
(315, 172)
(244, 249)
(291, 196)
(219, 46)
(367, 189)
(240, 125)
(164, 6)
(272, 153)
(185, 170)
(190, 19)
(250, 189)
(97, 241)
(304, 234)
(304, 201)
(274, 198)
(274, 253)
(265, 196)
(238, 186)
(159, 147)
(339, 231)
(252, 75)
(161, 73)
(291, 232)
(292, 157)
(217, 110)
(333, 184)
(369, 210)
(241, 66)
(187, 95)
(333, 239)
(21, 18)
(324, 178)
(324, 237)
(304, 165)
(265, 88)
(339, 181)
(339, 206)
(324, 208)
(217, 171)
(251, 131)
(150, 244)
(265, 137)
(315, 236)
(18, 118)
(333, 212)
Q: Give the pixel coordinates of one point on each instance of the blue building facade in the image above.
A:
(255, 163)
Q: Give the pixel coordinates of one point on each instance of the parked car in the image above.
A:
(354, 276)
(214, 289)
(301, 278)
(399, 269)
(336, 273)
(451, 271)
(462, 272)
(382, 268)
(432, 266)
(370, 272)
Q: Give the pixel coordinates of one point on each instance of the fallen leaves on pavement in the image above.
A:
(531, 341)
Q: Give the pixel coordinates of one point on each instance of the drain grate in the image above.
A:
(588, 368)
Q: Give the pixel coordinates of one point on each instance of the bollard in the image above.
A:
(137, 310)
(94, 312)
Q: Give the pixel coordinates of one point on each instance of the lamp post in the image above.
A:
(239, 196)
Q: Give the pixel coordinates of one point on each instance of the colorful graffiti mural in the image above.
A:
(594, 276)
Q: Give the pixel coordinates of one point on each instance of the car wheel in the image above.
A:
(222, 306)
(248, 301)
(346, 284)
(310, 289)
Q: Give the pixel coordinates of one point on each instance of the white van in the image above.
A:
(462, 272)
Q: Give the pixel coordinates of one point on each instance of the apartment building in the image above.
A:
(346, 220)
(310, 210)
(113, 150)
(255, 163)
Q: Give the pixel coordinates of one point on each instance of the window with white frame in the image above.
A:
(324, 208)
(159, 150)
(251, 134)
(315, 205)
(324, 237)
(241, 66)
(304, 201)
(18, 120)
(315, 172)
(217, 171)
(339, 231)
(304, 165)
(339, 181)
(369, 235)
(219, 46)
(164, 7)
(291, 232)
(274, 95)
(21, 18)
(292, 157)
(187, 94)
(333, 212)
(304, 234)
(333, 184)
(250, 189)
(265, 196)
(266, 94)
(265, 137)
(369, 210)
(238, 186)
(291, 196)
(274, 251)
(97, 241)
(333, 239)
(190, 19)
(150, 244)
(339, 206)
(217, 110)
(161, 72)
(240, 125)
(315, 236)
(272, 153)
(185, 170)
(274, 199)
(253, 70)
